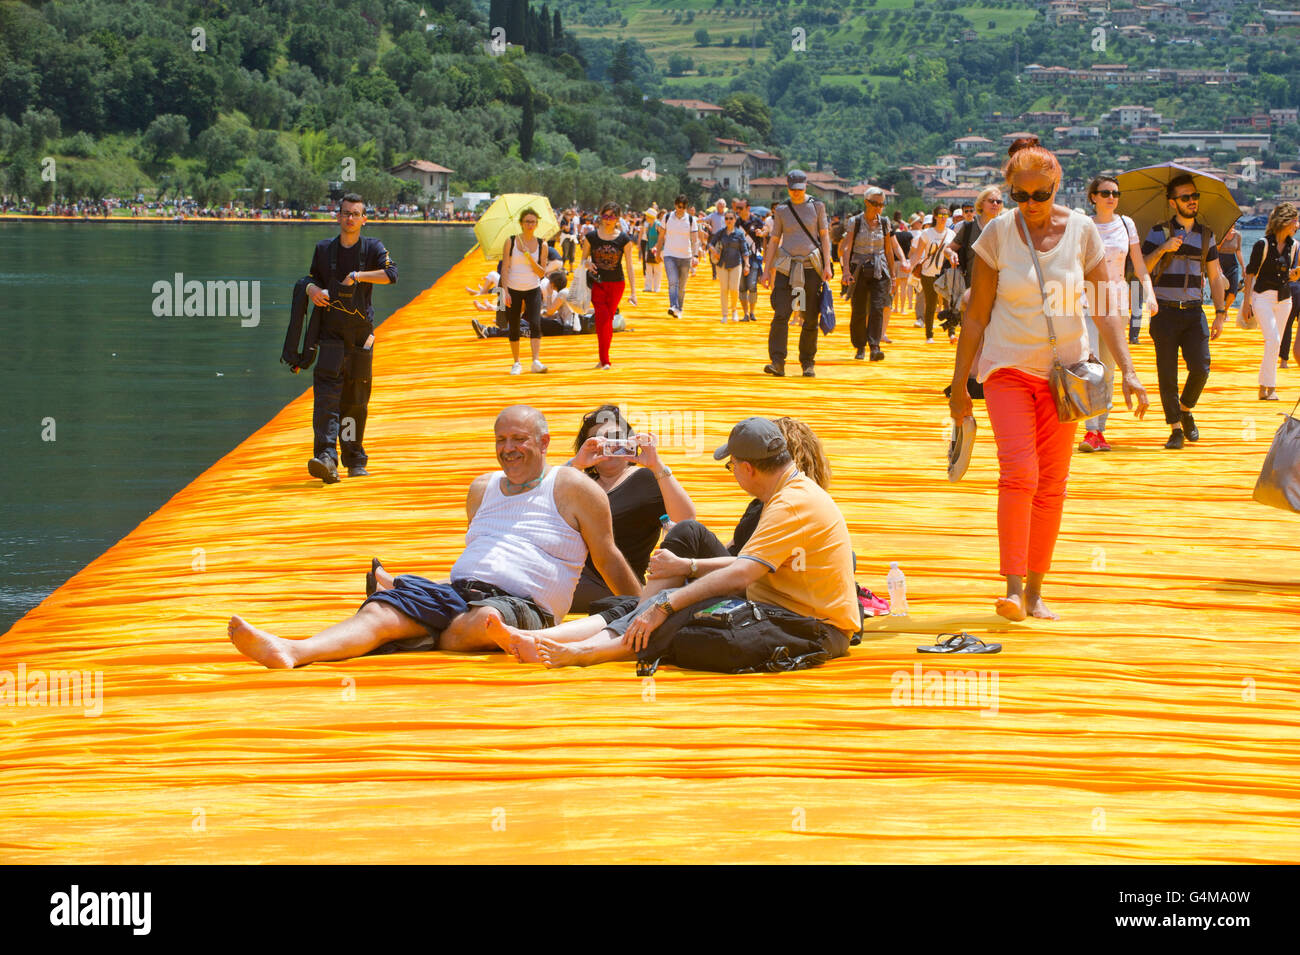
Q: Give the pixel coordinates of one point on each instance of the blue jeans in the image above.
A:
(678, 271)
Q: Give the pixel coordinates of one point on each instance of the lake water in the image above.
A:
(137, 405)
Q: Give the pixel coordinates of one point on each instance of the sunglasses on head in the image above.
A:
(1187, 197)
(1107, 193)
(1042, 195)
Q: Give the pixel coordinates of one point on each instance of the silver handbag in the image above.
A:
(1279, 479)
(1079, 390)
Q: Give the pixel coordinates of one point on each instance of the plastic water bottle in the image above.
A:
(665, 525)
(897, 584)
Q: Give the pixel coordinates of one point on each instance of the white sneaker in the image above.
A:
(919, 323)
(516, 368)
(724, 319)
(538, 367)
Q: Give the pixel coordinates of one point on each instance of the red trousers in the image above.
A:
(605, 297)
(1034, 451)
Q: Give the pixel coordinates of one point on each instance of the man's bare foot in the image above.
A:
(271, 651)
(1011, 608)
(560, 654)
(383, 579)
(1040, 610)
(518, 643)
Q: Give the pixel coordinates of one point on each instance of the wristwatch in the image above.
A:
(663, 472)
(695, 569)
(662, 602)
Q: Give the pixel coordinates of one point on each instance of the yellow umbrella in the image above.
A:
(502, 221)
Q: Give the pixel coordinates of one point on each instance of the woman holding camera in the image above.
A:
(638, 496)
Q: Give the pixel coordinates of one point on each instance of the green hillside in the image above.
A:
(123, 100)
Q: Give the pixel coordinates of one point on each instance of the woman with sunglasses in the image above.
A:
(730, 249)
(1120, 239)
(1269, 275)
(525, 261)
(608, 254)
(1006, 317)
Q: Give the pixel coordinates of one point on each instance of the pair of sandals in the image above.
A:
(960, 643)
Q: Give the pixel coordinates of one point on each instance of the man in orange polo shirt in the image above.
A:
(799, 558)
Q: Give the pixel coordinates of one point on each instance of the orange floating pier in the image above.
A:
(1157, 721)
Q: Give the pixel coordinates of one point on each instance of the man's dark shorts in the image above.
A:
(435, 605)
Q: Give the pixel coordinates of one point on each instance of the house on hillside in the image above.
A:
(729, 171)
(434, 180)
(827, 186)
(766, 190)
(695, 108)
(967, 143)
(1130, 116)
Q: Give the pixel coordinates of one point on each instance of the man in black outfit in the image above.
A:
(1180, 255)
(342, 271)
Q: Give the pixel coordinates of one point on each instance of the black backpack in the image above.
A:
(760, 638)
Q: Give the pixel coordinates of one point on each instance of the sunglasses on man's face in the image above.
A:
(609, 215)
(993, 202)
(1107, 193)
(1042, 195)
(1187, 197)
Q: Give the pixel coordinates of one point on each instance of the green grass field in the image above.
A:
(651, 24)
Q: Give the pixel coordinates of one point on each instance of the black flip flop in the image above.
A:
(371, 584)
(960, 643)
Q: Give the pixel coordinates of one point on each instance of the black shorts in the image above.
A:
(435, 605)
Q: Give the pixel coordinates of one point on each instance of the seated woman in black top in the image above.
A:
(638, 496)
(1269, 274)
(691, 550)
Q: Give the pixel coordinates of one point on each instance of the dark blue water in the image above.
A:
(138, 405)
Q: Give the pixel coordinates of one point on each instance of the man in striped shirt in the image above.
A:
(1180, 255)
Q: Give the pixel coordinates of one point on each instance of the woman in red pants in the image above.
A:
(1006, 317)
(608, 254)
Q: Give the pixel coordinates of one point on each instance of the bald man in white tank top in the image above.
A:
(530, 529)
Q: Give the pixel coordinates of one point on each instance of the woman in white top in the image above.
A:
(525, 260)
(1119, 239)
(678, 249)
(931, 248)
(1006, 316)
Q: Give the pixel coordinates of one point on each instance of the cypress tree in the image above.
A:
(543, 30)
(527, 127)
(558, 34)
(517, 17)
(497, 14)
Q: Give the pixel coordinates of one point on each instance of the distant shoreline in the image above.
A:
(165, 220)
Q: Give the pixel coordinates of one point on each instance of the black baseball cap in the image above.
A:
(754, 439)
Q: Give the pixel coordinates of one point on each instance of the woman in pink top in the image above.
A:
(1006, 316)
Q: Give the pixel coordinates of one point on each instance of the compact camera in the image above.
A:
(618, 447)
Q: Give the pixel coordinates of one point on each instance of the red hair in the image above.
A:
(1028, 155)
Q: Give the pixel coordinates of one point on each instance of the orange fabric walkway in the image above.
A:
(1155, 722)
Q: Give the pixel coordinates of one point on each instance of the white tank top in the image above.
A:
(522, 276)
(522, 544)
